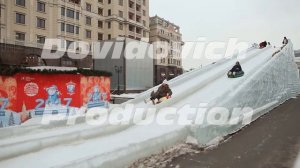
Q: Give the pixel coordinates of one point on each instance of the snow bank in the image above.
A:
(53, 68)
(297, 163)
(270, 86)
(130, 96)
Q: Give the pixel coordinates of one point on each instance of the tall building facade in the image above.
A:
(25, 24)
(170, 65)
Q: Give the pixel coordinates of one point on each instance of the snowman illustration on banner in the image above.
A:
(53, 96)
(96, 98)
(71, 88)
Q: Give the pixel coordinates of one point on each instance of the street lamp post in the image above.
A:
(118, 70)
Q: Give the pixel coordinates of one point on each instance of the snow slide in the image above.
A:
(268, 82)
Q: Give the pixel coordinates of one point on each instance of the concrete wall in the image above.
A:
(136, 75)
(108, 64)
(139, 72)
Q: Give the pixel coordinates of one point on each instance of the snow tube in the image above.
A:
(237, 75)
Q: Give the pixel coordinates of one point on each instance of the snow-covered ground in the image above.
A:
(126, 96)
(297, 163)
(108, 145)
(53, 68)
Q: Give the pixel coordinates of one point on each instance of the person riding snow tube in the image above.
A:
(162, 94)
(236, 71)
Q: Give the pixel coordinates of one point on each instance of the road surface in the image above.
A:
(273, 141)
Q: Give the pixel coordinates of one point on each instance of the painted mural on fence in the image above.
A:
(25, 95)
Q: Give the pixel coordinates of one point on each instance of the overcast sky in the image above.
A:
(218, 20)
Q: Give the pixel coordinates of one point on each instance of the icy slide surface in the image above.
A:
(268, 82)
(264, 89)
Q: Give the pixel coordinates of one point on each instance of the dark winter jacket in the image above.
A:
(285, 41)
(236, 68)
(163, 91)
(263, 44)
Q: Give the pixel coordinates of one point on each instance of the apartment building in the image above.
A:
(170, 65)
(25, 24)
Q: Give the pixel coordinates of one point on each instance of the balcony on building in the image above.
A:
(75, 1)
(131, 16)
(132, 30)
(131, 5)
(139, 9)
(139, 2)
(138, 19)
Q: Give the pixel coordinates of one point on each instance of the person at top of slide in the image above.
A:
(285, 41)
(263, 44)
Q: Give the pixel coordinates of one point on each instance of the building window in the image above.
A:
(70, 28)
(120, 26)
(41, 39)
(88, 34)
(138, 8)
(67, 63)
(144, 13)
(70, 44)
(41, 6)
(20, 18)
(20, 36)
(62, 43)
(138, 18)
(70, 13)
(131, 16)
(109, 25)
(131, 4)
(109, 37)
(100, 11)
(121, 14)
(88, 20)
(88, 7)
(41, 23)
(144, 2)
(63, 11)
(100, 1)
(109, 12)
(109, 2)
(100, 36)
(62, 27)
(20, 2)
(138, 30)
(100, 24)
(121, 2)
(77, 15)
(77, 30)
(131, 28)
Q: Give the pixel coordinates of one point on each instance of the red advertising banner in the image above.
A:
(37, 91)
(40, 94)
(8, 93)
